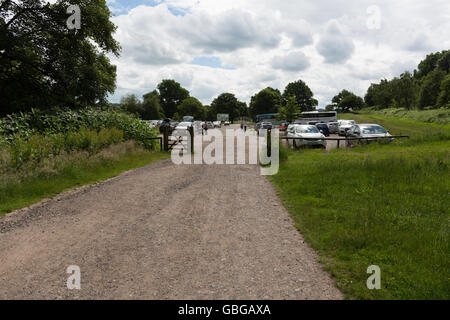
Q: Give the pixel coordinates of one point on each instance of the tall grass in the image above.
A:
(33, 182)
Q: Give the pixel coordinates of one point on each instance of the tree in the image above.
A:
(131, 104)
(289, 111)
(302, 93)
(405, 89)
(171, 95)
(427, 65)
(226, 103)
(431, 86)
(192, 107)
(444, 61)
(444, 95)
(348, 101)
(151, 108)
(340, 96)
(43, 64)
(380, 95)
(267, 100)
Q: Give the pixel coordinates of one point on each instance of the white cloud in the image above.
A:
(272, 42)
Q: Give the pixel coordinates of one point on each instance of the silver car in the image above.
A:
(344, 126)
(371, 131)
(306, 131)
(333, 126)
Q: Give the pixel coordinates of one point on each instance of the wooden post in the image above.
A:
(166, 138)
(191, 132)
(338, 141)
(269, 142)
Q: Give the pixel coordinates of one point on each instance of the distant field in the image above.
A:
(385, 205)
(399, 126)
(441, 116)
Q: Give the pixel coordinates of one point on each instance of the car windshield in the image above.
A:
(306, 129)
(373, 130)
(347, 123)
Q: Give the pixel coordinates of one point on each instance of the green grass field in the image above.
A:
(19, 189)
(385, 205)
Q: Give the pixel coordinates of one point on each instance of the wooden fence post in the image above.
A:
(269, 142)
(166, 138)
(191, 133)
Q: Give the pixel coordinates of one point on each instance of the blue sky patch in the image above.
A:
(212, 62)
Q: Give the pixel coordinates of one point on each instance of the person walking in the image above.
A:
(245, 126)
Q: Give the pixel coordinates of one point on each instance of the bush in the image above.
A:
(38, 146)
(25, 125)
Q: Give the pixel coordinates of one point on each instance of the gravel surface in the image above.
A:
(162, 232)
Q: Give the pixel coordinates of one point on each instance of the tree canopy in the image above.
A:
(192, 107)
(171, 95)
(227, 103)
(267, 100)
(290, 110)
(43, 64)
(302, 93)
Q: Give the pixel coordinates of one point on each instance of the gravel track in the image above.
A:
(162, 232)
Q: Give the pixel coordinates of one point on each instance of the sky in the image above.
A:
(212, 46)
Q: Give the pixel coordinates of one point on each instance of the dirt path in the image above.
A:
(162, 232)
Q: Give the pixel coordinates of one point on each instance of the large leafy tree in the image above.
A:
(171, 95)
(431, 86)
(151, 108)
(347, 101)
(302, 93)
(192, 107)
(131, 104)
(43, 64)
(444, 95)
(227, 103)
(265, 101)
(290, 110)
(405, 89)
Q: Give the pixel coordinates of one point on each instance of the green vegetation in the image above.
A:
(44, 64)
(34, 182)
(42, 154)
(379, 204)
(441, 116)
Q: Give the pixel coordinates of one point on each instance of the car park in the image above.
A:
(323, 128)
(264, 126)
(344, 126)
(333, 127)
(167, 123)
(306, 131)
(372, 132)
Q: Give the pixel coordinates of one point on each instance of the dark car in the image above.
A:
(324, 129)
(167, 123)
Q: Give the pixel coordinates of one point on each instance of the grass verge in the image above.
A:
(385, 205)
(30, 184)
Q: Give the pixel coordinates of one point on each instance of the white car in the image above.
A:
(368, 130)
(226, 123)
(182, 128)
(217, 124)
(344, 126)
(306, 131)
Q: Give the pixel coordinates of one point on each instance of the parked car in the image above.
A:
(323, 128)
(344, 126)
(283, 126)
(166, 123)
(182, 128)
(217, 124)
(333, 127)
(209, 125)
(306, 131)
(372, 131)
(264, 126)
(290, 128)
(226, 123)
